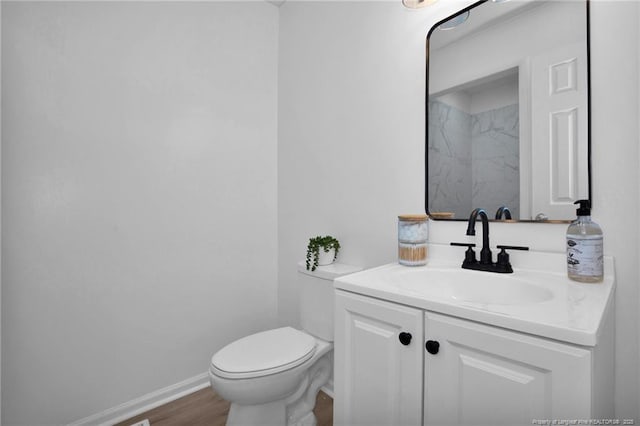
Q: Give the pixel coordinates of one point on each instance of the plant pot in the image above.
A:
(326, 258)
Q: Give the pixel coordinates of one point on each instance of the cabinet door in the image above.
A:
(378, 378)
(485, 375)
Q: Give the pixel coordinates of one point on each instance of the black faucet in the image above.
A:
(503, 211)
(486, 262)
(485, 253)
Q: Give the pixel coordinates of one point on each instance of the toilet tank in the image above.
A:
(316, 297)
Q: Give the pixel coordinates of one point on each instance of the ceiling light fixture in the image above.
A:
(455, 21)
(417, 4)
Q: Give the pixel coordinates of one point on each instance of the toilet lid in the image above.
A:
(264, 353)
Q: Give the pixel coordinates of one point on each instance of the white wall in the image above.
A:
(614, 77)
(351, 146)
(138, 193)
(351, 130)
(638, 191)
(0, 218)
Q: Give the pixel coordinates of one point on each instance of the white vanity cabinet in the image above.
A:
(377, 378)
(476, 374)
(484, 375)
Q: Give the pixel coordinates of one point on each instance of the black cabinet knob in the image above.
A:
(432, 346)
(405, 338)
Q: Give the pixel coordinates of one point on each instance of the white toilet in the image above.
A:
(273, 377)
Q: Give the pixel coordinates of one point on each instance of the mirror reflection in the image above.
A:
(508, 111)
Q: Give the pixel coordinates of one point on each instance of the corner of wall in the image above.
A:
(0, 213)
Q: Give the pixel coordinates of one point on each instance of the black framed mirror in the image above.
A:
(507, 111)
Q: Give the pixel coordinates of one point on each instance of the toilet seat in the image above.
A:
(263, 353)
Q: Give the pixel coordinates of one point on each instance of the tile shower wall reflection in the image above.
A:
(496, 159)
(450, 177)
(483, 173)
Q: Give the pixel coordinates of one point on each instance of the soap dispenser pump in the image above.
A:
(584, 247)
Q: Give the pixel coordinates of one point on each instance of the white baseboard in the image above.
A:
(328, 388)
(146, 402)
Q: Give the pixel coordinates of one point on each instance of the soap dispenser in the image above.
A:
(584, 247)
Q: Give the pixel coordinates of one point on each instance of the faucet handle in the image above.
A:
(463, 244)
(501, 247)
(503, 262)
(469, 255)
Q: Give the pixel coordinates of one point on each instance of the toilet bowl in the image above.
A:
(278, 387)
(273, 377)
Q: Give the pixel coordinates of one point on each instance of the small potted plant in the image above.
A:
(322, 251)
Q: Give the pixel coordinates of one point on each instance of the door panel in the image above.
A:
(559, 141)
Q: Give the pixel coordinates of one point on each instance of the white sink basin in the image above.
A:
(471, 286)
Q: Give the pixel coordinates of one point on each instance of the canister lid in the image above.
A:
(413, 217)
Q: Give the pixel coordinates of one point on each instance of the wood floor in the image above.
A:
(206, 408)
